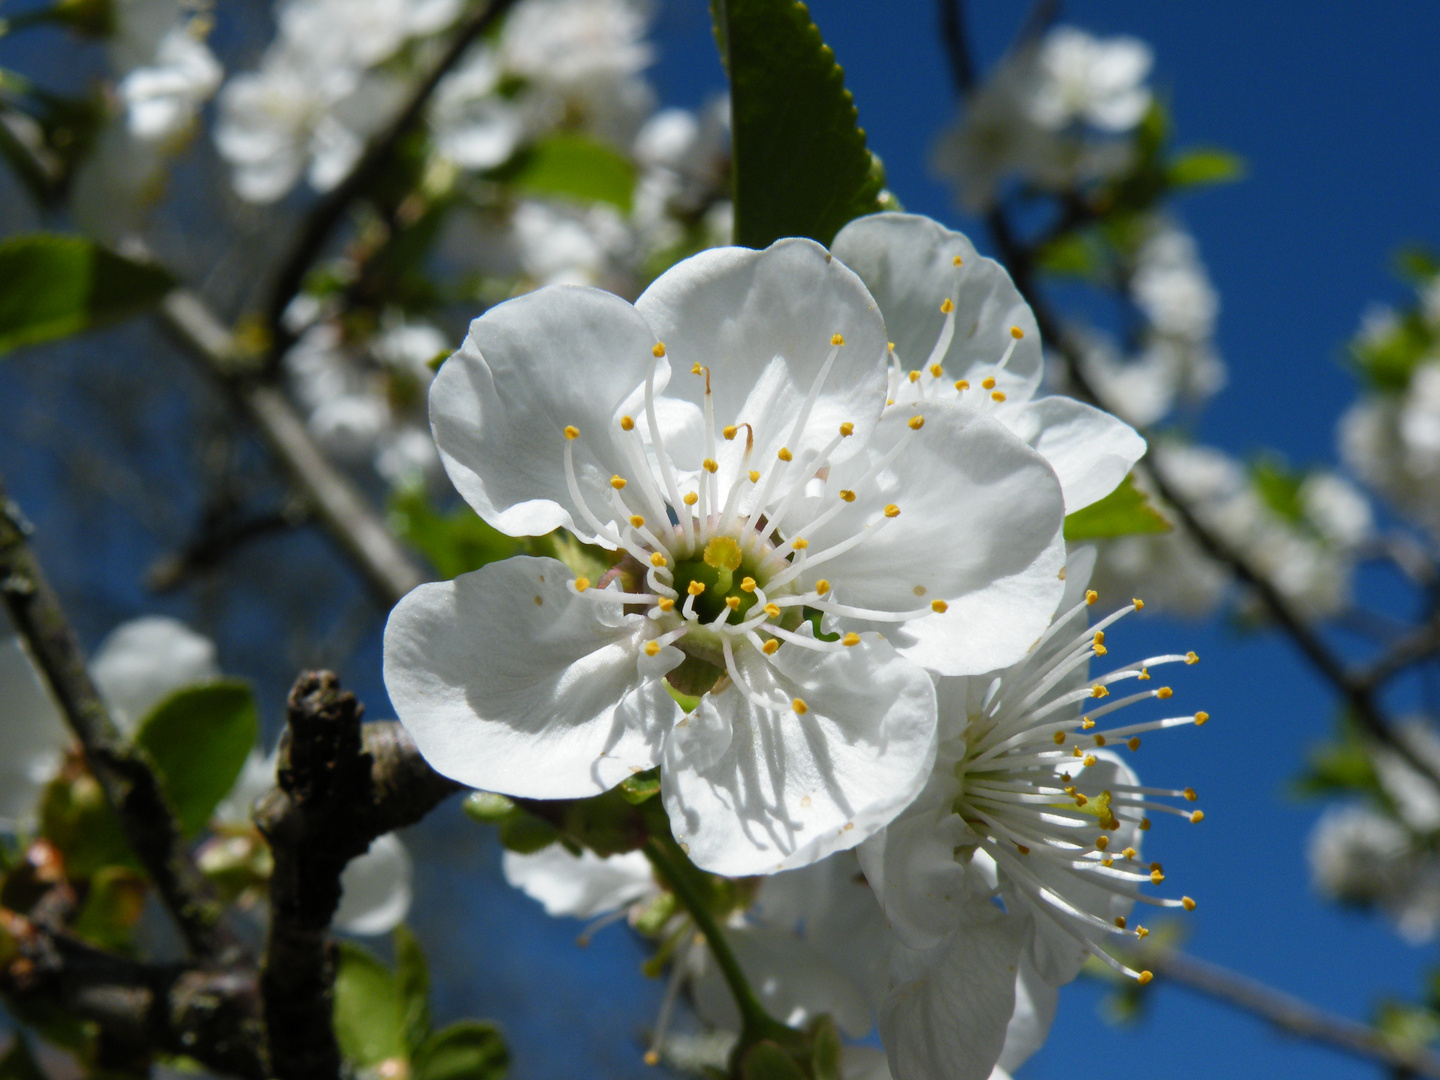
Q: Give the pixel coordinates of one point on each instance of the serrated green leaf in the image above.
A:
(798, 157)
(412, 980)
(370, 1010)
(1126, 511)
(468, 1050)
(198, 739)
(1194, 168)
(52, 286)
(571, 166)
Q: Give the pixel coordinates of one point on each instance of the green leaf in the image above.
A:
(19, 1063)
(799, 160)
(1071, 255)
(412, 979)
(767, 1061)
(1198, 167)
(75, 817)
(1279, 488)
(1416, 264)
(52, 286)
(575, 167)
(468, 1050)
(1126, 511)
(370, 1011)
(454, 543)
(113, 906)
(1389, 359)
(198, 739)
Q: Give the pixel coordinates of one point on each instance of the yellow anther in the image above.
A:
(770, 647)
(1076, 753)
(1022, 849)
(1145, 978)
(1156, 877)
(652, 648)
(1120, 922)
(850, 639)
(837, 339)
(711, 465)
(652, 1057)
(1164, 692)
(1091, 596)
(889, 401)
(1099, 691)
(1144, 824)
(785, 455)
(957, 261)
(665, 604)
(1090, 760)
(946, 306)
(1080, 800)
(1134, 743)
(1192, 658)
(822, 587)
(581, 584)
(1101, 843)
(659, 560)
(1099, 740)
(1129, 853)
(617, 482)
(892, 511)
(1016, 333)
(914, 376)
(1144, 674)
(1107, 862)
(916, 423)
(1139, 604)
(939, 607)
(1187, 903)
(799, 706)
(962, 384)
(1099, 650)
(1099, 637)
(1189, 794)
(696, 369)
(732, 602)
(988, 382)
(847, 429)
(636, 520)
(800, 543)
(691, 498)
(936, 370)
(1197, 816)
(1201, 717)
(748, 585)
(1086, 723)
(754, 476)
(890, 345)
(847, 495)
(730, 432)
(695, 588)
(659, 350)
(1059, 738)
(627, 423)
(996, 395)
(572, 432)
(773, 610)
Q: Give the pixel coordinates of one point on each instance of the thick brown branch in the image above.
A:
(340, 788)
(130, 785)
(210, 1015)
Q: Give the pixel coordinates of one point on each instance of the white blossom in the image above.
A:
(143, 661)
(1090, 80)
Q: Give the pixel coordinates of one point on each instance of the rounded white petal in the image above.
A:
(1090, 450)
(978, 528)
(908, 263)
(33, 737)
(375, 889)
(509, 681)
(789, 789)
(762, 322)
(145, 660)
(582, 886)
(560, 356)
(1035, 1001)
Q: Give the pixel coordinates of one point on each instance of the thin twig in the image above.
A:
(320, 224)
(1290, 1014)
(130, 784)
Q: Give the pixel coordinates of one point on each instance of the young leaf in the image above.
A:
(468, 1050)
(1126, 511)
(1194, 168)
(412, 979)
(799, 159)
(52, 286)
(370, 1011)
(575, 167)
(198, 739)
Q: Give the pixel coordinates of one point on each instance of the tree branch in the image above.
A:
(316, 230)
(129, 783)
(339, 788)
(1290, 1014)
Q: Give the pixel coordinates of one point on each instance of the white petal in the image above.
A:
(948, 1009)
(511, 682)
(145, 660)
(908, 263)
(375, 889)
(1090, 450)
(762, 322)
(978, 528)
(582, 886)
(560, 356)
(1035, 1001)
(789, 789)
(33, 737)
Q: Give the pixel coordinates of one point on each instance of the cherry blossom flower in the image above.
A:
(768, 515)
